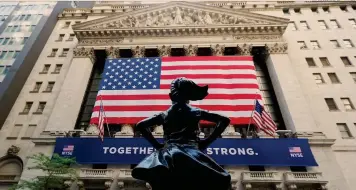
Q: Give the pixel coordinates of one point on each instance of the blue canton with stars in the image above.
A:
(131, 74)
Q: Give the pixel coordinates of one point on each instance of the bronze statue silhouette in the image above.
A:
(179, 163)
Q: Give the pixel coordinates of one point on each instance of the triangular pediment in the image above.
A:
(181, 15)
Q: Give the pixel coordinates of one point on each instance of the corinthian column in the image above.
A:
(218, 50)
(113, 52)
(75, 76)
(138, 51)
(244, 49)
(164, 51)
(190, 50)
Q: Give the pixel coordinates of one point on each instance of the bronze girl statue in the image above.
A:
(180, 164)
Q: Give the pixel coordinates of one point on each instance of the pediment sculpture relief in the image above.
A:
(179, 17)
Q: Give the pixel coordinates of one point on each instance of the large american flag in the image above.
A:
(135, 88)
(263, 121)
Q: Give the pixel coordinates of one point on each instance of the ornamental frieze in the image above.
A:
(90, 42)
(258, 38)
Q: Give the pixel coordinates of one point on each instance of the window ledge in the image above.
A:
(336, 83)
(45, 91)
(69, 40)
(11, 138)
(58, 40)
(23, 113)
(34, 91)
(348, 137)
(43, 72)
(54, 72)
(51, 56)
(62, 56)
(335, 110)
(25, 138)
(349, 65)
(353, 110)
(37, 113)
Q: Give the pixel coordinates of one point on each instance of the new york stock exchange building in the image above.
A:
(303, 54)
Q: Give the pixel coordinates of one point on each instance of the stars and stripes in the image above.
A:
(263, 120)
(101, 119)
(295, 150)
(135, 88)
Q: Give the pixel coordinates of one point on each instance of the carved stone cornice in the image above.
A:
(99, 41)
(84, 53)
(249, 38)
(244, 49)
(218, 50)
(164, 51)
(138, 51)
(190, 50)
(113, 52)
(277, 48)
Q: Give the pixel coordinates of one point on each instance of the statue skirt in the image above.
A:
(182, 167)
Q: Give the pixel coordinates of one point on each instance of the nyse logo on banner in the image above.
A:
(295, 152)
(68, 150)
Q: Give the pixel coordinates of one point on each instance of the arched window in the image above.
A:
(10, 169)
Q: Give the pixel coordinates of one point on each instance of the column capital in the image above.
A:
(121, 184)
(113, 52)
(244, 49)
(230, 132)
(84, 52)
(138, 51)
(108, 184)
(126, 131)
(190, 50)
(164, 51)
(277, 48)
(218, 50)
(158, 131)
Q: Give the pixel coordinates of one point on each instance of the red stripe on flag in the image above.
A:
(207, 67)
(207, 58)
(134, 120)
(164, 107)
(211, 76)
(224, 86)
(166, 97)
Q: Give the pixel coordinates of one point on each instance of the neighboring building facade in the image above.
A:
(305, 59)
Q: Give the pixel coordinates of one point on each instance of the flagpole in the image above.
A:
(254, 107)
(106, 121)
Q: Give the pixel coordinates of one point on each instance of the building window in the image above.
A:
(60, 38)
(304, 25)
(334, 24)
(10, 55)
(344, 130)
(346, 61)
(314, 9)
(77, 22)
(29, 131)
(27, 17)
(27, 108)
(57, 69)
(331, 104)
(37, 87)
(315, 44)
(318, 78)
(64, 52)
(293, 26)
(333, 78)
(71, 37)
(352, 22)
(66, 24)
(5, 41)
(15, 131)
(49, 87)
(353, 75)
(286, 11)
(347, 104)
(324, 61)
(40, 107)
(310, 62)
(24, 40)
(302, 45)
(46, 68)
(2, 54)
(343, 8)
(53, 53)
(348, 43)
(323, 25)
(8, 29)
(335, 43)
(326, 9)
(297, 10)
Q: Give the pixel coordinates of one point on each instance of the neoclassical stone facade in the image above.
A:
(215, 27)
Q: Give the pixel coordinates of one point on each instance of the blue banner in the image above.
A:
(264, 152)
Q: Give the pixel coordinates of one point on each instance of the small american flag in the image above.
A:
(295, 150)
(136, 88)
(263, 120)
(68, 148)
(101, 120)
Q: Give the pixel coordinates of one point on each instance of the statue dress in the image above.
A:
(179, 163)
